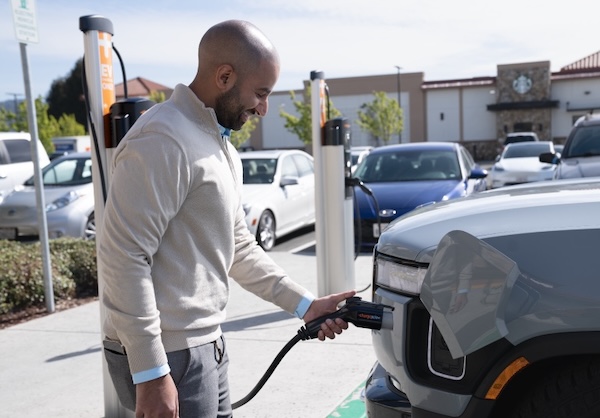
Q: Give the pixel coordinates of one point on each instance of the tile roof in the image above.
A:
(589, 62)
(141, 87)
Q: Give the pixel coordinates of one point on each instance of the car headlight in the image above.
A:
(400, 277)
(63, 201)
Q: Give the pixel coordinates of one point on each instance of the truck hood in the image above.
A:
(415, 235)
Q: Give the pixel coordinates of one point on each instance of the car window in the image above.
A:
(72, 172)
(288, 167)
(467, 160)
(585, 142)
(305, 166)
(259, 170)
(518, 138)
(4, 155)
(526, 150)
(409, 166)
(18, 151)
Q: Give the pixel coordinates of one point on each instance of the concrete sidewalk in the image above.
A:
(52, 366)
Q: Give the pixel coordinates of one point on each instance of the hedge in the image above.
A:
(74, 272)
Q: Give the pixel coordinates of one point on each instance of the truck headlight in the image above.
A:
(406, 278)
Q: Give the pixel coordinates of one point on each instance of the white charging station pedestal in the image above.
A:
(334, 227)
(100, 87)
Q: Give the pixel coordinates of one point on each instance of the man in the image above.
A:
(174, 233)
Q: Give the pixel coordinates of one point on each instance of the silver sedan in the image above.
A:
(69, 201)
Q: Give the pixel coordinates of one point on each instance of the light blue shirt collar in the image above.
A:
(225, 131)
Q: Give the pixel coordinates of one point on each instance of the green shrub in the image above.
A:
(79, 257)
(73, 266)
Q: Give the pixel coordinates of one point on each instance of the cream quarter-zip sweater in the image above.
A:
(173, 233)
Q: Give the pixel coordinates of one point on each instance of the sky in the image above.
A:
(445, 40)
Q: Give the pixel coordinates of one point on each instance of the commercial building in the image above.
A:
(476, 112)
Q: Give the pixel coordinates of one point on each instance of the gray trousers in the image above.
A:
(200, 374)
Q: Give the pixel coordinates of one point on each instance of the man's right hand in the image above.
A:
(157, 399)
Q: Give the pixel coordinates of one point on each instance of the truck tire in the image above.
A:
(571, 390)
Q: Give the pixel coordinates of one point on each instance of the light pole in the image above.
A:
(16, 103)
(399, 100)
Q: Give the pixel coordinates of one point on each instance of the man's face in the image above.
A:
(247, 97)
(229, 109)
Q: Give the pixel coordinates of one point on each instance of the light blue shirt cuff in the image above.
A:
(147, 375)
(304, 304)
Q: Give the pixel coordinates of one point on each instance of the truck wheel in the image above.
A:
(571, 390)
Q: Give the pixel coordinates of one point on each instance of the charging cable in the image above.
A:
(361, 313)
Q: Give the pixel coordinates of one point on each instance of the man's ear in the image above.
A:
(225, 77)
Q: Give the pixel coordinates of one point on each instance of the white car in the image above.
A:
(278, 193)
(357, 154)
(520, 163)
(69, 200)
(16, 164)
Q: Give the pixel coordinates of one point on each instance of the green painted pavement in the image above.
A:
(351, 407)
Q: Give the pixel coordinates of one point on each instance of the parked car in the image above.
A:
(558, 148)
(581, 154)
(495, 300)
(357, 154)
(66, 144)
(520, 163)
(278, 193)
(69, 199)
(516, 137)
(402, 177)
(16, 163)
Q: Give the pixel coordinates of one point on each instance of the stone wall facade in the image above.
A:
(523, 104)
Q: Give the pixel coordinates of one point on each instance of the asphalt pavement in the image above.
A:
(53, 366)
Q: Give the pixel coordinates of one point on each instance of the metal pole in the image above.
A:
(15, 101)
(399, 100)
(38, 183)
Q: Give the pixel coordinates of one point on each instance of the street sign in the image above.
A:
(25, 21)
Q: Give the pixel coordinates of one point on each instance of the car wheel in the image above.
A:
(265, 233)
(90, 227)
(568, 391)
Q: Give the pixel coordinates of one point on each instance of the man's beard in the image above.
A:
(229, 111)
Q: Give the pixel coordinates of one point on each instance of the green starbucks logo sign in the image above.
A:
(522, 84)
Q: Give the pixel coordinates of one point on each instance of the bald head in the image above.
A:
(235, 43)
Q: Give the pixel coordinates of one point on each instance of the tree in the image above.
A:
(382, 117)
(66, 95)
(48, 126)
(301, 126)
(157, 96)
(237, 138)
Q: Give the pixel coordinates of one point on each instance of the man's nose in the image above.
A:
(262, 108)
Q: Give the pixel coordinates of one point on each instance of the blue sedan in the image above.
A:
(399, 178)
